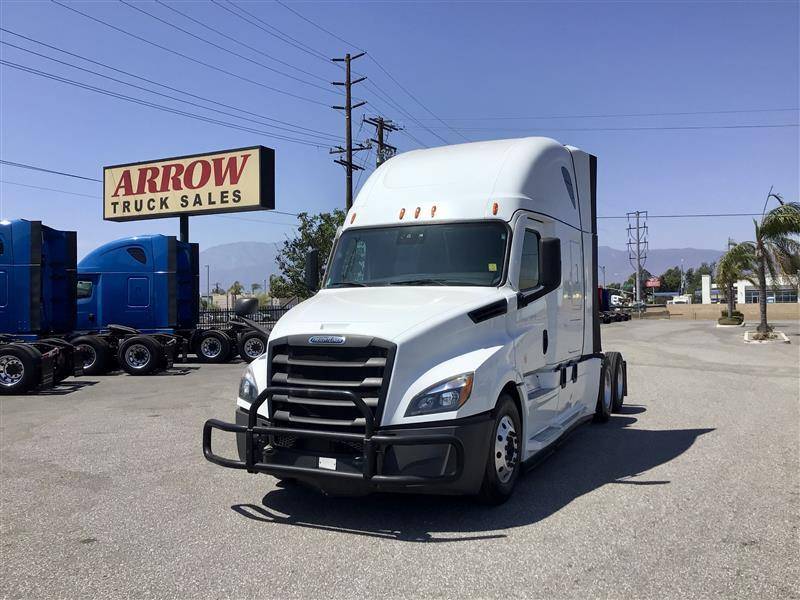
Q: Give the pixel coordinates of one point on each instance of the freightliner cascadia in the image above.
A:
(455, 337)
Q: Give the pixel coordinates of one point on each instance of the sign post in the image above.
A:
(201, 184)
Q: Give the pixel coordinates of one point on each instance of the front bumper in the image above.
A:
(439, 459)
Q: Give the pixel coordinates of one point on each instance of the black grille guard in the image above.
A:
(372, 443)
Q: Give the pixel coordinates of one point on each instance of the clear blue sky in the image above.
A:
(468, 63)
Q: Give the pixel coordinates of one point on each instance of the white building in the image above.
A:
(747, 293)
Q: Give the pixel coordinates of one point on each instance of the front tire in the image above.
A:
(504, 461)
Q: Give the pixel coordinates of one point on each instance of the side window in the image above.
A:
(137, 254)
(529, 264)
(568, 183)
(84, 289)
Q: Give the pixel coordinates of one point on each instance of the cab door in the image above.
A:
(534, 326)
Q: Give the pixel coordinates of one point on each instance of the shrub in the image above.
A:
(730, 320)
(736, 313)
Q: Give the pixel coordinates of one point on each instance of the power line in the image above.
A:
(614, 115)
(415, 99)
(223, 48)
(151, 91)
(676, 128)
(154, 105)
(270, 30)
(34, 168)
(300, 129)
(688, 216)
(93, 197)
(374, 87)
(47, 189)
(187, 57)
(253, 48)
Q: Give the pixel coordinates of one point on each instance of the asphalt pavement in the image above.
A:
(692, 492)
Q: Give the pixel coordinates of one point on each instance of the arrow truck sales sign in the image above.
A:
(202, 184)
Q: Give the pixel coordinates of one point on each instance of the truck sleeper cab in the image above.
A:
(456, 335)
(37, 306)
(142, 294)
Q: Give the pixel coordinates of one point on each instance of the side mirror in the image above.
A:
(245, 306)
(550, 275)
(311, 273)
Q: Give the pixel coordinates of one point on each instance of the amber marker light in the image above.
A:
(433, 210)
(402, 212)
(352, 218)
(416, 213)
(495, 208)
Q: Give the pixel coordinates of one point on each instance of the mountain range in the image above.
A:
(254, 262)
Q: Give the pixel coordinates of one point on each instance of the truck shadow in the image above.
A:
(593, 457)
(66, 387)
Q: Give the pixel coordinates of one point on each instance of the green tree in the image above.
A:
(236, 289)
(774, 251)
(734, 265)
(254, 287)
(314, 232)
(630, 283)
(671, 279)
(217, 289)
(694, 277)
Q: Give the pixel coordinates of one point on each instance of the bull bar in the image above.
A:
(372, 443)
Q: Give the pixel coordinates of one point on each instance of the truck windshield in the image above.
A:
(443, 254)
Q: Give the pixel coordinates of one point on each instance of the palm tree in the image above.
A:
(734, 265)
(254, 287)
(774, 251)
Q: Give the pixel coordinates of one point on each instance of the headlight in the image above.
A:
(443, 397)
(247, 388)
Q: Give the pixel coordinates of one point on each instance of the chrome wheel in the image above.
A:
(137, 356)
(11, 371)
(210, 347)
(89, 355)
(254, 347)
(608, 392)
(620, 382)
(506, 449)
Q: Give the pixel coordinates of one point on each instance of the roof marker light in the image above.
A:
(495, 207)
(433, 211)
(402, 212)
(416, 213)
(352, 218)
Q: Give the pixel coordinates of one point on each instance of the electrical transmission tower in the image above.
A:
(637, 246)
(382, 128)
(348, 107)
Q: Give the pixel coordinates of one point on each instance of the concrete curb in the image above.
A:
(781, 339)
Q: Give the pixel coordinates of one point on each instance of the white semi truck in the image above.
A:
(455, 337)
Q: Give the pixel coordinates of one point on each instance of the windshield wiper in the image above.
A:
(347, 284)
(417, 282)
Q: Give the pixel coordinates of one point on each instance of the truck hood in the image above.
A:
(384, 312)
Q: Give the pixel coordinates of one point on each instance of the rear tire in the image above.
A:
(503, 462)
(18, 369)
(605, 395)
(96, 354)
(139, 355)
(618, 381)
(252, 344)
(212, 346)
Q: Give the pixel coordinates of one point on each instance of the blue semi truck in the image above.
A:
(37, 306)
(149, 285)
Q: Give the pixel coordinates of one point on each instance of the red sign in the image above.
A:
(653, 282)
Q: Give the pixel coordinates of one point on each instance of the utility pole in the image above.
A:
(382, 127)
(348, 107)
(637, 246)
(604, 275)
